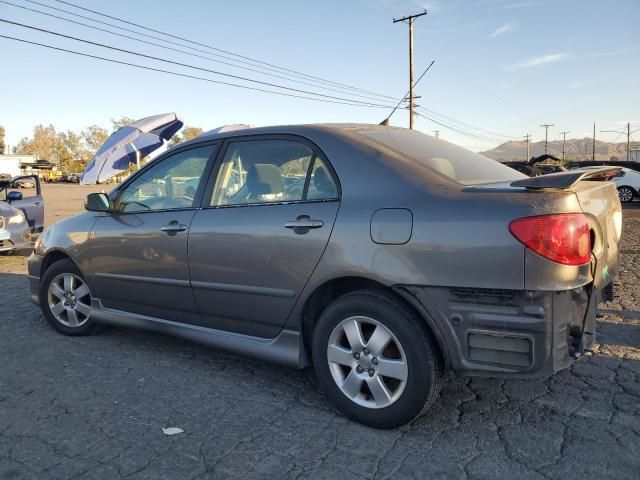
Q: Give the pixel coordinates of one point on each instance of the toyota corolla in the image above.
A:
(379, 256)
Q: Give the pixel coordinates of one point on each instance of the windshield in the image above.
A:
(456, 163)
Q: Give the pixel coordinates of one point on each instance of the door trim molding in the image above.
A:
(152, 280)
(220, 287)
(250, 289)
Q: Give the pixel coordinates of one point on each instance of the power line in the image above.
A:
(564, 140)
(455, 129)
(472, 127)
(172, 62)
(386, 120)
(185, 75)
(227, 52)
(340, 100)
(190, 47)
(458, 129)
(467, 125)
(314, 79)
(166, 47)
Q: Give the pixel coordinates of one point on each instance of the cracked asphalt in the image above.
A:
(94, 407)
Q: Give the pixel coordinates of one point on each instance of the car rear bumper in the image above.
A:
(513, 333)
(34, 267)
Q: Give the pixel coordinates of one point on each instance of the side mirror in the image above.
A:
(14, 196)
(97, 202)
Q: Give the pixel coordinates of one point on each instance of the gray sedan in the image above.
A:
(379, 256)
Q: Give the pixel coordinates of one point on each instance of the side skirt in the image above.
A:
(285, 349)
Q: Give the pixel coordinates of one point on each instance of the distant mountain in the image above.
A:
(574, 148)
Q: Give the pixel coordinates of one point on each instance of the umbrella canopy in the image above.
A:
(123, 147)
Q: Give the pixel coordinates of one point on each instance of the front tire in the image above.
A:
(626, 194)
(65, 299)
(375, 359)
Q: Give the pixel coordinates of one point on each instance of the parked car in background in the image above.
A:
(547, 169)
(627, 182)
(604, 163)
(524, 167)
(20, 217)
(378, 255)
(69, 178)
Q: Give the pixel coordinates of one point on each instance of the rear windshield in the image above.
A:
(456, 163)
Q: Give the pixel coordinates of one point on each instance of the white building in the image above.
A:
(11, 164)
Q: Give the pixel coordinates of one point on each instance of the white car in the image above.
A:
(628, 183)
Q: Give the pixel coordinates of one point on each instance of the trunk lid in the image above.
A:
(597, 198)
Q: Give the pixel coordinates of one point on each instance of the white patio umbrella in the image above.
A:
(128, 144)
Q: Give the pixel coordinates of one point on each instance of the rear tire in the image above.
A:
(375, 359)
(65, 299)
(626, 194)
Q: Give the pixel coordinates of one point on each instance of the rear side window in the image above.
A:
(456, 163)
(271, 171)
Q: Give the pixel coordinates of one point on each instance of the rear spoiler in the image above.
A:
(564, 180)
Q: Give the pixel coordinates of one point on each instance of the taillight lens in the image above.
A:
(563, 238)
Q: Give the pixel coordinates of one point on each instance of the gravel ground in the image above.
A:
(95, 407)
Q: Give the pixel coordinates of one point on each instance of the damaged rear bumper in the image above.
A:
(514, 333)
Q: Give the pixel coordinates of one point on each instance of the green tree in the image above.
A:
(188, 133)
(2, 145)
(44, 144)
(94, 136)
(78, 154)
(116, 124)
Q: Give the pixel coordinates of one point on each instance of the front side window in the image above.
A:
(268, 171)
(170, 184)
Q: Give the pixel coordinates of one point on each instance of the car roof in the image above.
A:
(301, 129)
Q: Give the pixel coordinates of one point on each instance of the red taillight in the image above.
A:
(563, 238)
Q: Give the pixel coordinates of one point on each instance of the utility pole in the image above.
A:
(629, 132)
(527, 137)
(628, 137)
(593, 147)
(437, 133)
(409, 19)
(546, 136)
(564, 140)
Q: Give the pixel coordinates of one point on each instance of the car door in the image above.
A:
(139, 251)
(31, 203)
(265, 222)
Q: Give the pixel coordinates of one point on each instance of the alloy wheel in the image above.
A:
(367, 362)
(625, 194)
(69, 300)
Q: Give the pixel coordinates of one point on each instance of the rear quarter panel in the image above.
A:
(460, 236)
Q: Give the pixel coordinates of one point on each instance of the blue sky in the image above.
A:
(502, 65)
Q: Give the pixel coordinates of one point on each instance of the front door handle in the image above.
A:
(173, 228)
(303, 223)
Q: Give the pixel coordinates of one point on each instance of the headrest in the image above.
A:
(264, 179)
(322, 181)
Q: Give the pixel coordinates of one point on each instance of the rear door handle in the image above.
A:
(173, 228)
(303, 223)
